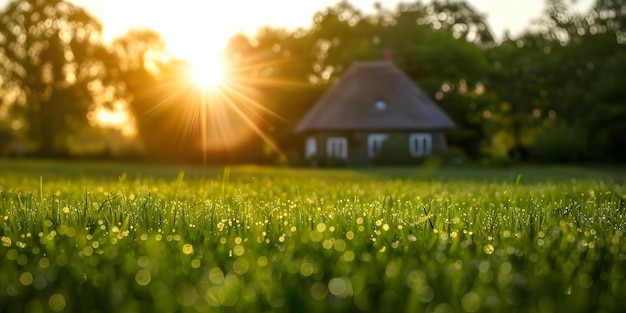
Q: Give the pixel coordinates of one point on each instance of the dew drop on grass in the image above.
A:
(26, 278)
(321, 227)
(215, 296)
(241, 266)
(44, 262)
(195, 263)
(340, 287)
(328, 243)
(315, 236)
(57, 302)
(13, 289)
(262, 261)
(307, 269)
(506, 268)
(87, 251)
(22, 260)
(143, 277)
(12, 254)
(216, 276)
(585, 281)
(348, 256)
(415, 279)
(319, 291)
(391, 270)
(339, 245)
(238, 250)
(350, 235)
(483, 266)
(488, 249)
(444, 308)
(143, 261)
(425, 293)
(471, 302)
(187, 249)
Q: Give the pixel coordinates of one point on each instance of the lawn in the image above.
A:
(106, 237)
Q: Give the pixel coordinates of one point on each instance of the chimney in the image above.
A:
(388, 55)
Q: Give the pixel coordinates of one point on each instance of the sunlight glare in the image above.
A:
(207, 72)
(117, 117)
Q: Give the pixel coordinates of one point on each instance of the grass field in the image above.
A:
(105, 237)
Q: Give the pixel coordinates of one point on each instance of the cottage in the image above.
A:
(374, 114)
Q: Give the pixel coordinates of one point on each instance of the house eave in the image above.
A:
(372, 129)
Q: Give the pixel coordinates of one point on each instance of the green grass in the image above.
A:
(94, 237)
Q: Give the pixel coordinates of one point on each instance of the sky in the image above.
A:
(217, 21)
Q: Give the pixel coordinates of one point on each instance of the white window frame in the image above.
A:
(421, 144)
(311, 147)
(375, 144)
(337, 148)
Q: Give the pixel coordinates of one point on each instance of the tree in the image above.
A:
(441, 46)
(295, 68)
(50, 53)
(271, 79)
(525, 83)
(138, 61)
(589, 67)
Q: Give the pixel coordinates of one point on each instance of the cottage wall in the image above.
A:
(357, 149)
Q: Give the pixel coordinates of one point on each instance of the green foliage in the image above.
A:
(561, 144)
(50, 56)
(55, 71)
(257, 240)
(153, 90)
(296, 67)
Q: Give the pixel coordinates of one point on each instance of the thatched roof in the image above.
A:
(375, 96)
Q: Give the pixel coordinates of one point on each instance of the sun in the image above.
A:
(207, 72)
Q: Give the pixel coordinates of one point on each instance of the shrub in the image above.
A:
(560, 144)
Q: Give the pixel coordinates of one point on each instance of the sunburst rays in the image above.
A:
(220, 118)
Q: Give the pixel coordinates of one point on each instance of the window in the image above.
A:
(337, 148)
(375, 144)
(311, 147)
(420, 145)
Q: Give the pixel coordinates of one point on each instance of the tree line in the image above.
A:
(552, 94)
